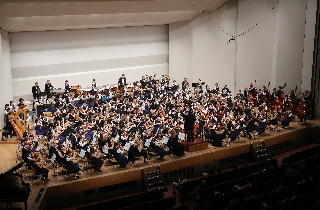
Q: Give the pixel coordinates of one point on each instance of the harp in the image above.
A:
(18, 120)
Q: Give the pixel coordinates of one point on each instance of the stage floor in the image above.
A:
(8, 155)
(111, 175)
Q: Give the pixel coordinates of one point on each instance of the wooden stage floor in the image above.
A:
(59, 185)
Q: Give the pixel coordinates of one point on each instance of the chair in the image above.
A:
(47, 114)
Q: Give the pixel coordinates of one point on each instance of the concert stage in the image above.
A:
(8, 154)
(296, 135)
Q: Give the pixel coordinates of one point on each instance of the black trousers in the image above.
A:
(190, 135)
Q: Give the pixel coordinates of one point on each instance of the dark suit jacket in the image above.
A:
(122, 81)
(48, 87)
(35, 90)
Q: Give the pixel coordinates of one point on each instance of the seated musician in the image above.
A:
(175, 147)
(118, 154)
(215, 135)
(95, 158)
(234, 133)
(287, 119)
(133, 152)
(157, 147)
(262, 125)
(66, 157)
(21, 103)
(143, 152)
(250, 128)
(34, 161)
(274, 120)
(8, 128)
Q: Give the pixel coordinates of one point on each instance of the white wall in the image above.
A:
(201, 50)
(213, 55)
(180, 49)
(268, 47)
(290, 35)
(309, 44)
(5, 74)
(81, 55)
(255, 48)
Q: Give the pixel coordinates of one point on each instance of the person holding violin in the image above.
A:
(34, 161)
(95, 159)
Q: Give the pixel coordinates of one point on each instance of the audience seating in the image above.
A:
(302, 155)
(263, 185)
(127, 201)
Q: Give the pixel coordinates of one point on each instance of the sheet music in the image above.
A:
(82, 153)
(53, 158)
(105, 149)
(165, 140)
(147, 143)
(127, 146)
(181, 136)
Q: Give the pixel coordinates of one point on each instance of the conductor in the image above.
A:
(189, 121)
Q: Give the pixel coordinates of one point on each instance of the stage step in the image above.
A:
(260, 151)
(153, 179)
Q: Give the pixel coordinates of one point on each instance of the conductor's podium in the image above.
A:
(194, 146)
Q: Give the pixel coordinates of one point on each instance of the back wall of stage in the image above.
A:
(81, 55)
(247, 40)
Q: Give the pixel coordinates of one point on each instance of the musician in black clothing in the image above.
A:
(34, 160)
(47, 88)
(185, 84)
(189, 121)
(133, 152)
(94, 84)
(36, 91)
(175, 147)
(66, 86)
(122, 81)
(95, 159)
(225, 91)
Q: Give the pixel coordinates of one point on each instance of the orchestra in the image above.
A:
(150, 117)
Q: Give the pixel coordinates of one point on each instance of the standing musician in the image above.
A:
(94, 84)
(66, 86)
(36, 91)
(122, 82)
(47, 88)
(189, 121)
